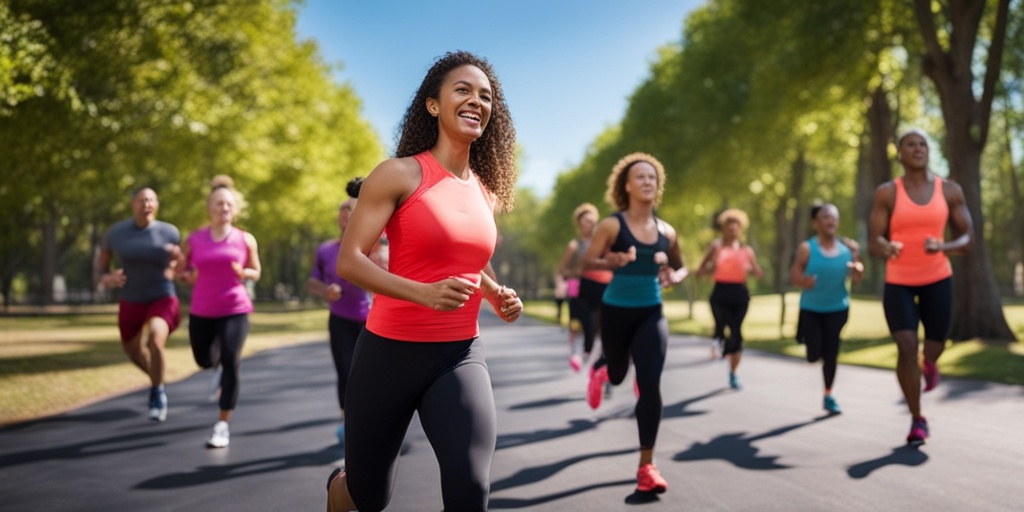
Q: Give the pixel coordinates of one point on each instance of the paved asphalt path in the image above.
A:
(766, 447)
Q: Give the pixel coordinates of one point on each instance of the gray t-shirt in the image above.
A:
(140, 251)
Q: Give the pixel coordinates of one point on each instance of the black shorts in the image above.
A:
(931, 304)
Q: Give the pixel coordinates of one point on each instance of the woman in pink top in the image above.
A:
(220, 258)
(420, 352)
(730, 261)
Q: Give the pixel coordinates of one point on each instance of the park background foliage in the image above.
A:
(768, 106)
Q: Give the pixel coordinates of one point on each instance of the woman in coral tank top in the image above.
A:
(907, 227)
(420, 351)
(729, 260)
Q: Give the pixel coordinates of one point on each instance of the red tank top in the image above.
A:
(445, 229)
(911, 224)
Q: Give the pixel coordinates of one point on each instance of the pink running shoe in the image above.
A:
(918, 432)
(594, 387)
(930, 371)
(575, 362)
(648, 479)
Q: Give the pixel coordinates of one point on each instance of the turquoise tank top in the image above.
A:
(635, 285)
(829, 294)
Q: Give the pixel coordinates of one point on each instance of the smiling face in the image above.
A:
(222, 206)
(826, 221)
(144, 206)
(463, 105)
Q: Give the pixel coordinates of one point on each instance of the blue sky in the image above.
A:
(567, 66)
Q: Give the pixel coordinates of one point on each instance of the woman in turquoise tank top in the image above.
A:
(643, 252)
(821, 267)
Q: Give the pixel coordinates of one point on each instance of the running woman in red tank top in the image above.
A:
(420, 351)
(907, 227)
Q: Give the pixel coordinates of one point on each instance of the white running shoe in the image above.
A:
(158, 405)
(221, 436)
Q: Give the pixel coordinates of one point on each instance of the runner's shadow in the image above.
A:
(97, 448)
(678, 410)
(536, 474)
(523, 438)
(905, 455)
(527, 503)
(549, 402)
(101, 416)
(204, 475)
(740, 450)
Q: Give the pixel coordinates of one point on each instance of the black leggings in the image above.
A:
(587, 309)
(640, 333)
(449, 386)
(220, 341)
(933, 307)
(729, 302)
(343, 343)
(819, 332)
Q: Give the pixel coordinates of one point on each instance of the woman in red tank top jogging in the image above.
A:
(907, 227)
(420, 352)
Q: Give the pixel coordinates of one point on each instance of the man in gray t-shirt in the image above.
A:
(148, 312)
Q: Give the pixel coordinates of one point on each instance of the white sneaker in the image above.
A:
(716, 348)
(157, 405)
(221, 437)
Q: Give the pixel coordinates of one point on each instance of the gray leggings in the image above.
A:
(448, 384)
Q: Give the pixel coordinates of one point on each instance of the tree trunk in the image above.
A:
(875, 169)
(49, 264)
(788, 224)
(1016, 233)
(977, 306)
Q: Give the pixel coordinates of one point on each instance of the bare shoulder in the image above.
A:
(394, 176)
(952, 190)
(666, 229)
(250, 240)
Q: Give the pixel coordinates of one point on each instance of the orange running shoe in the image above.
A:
(648, 479)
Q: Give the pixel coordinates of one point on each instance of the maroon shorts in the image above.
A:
(131, 316)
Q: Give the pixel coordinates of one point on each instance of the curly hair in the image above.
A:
(582, 210)
(492, 156)
(735, 215)
(616, 194)
(354, 186)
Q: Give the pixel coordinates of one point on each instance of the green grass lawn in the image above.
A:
(49, 364)
(866, 338)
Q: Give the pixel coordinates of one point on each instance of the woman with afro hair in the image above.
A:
(420, 352)
(642, 251)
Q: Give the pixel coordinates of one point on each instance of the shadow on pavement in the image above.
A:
(678, 410)
(536, 474)
(505, 503)
(204, 475)
(740, 450)
(114, 444)
(904, 455)
(104, 416)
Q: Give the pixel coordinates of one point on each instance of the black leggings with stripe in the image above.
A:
(448, 385)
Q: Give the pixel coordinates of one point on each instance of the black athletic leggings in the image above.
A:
(729, 302)
(343, 343)
(819, 332)
(640, 333)
(448, 385)
(219, 341)
(587, 309)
